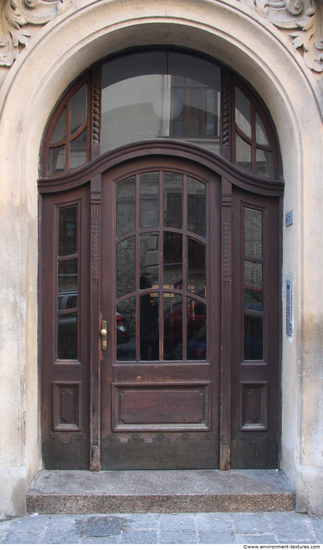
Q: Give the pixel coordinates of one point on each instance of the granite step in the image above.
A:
(161, 491)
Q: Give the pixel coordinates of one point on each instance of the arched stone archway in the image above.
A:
(64, 48)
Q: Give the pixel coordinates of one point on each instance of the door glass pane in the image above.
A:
(60, 129)
(67, 230)
(126, 267)
(149, 260)
(253, 232)
(243, 153)
(264, 163)
(173, 263)
(243, 112)
(196, 275)
(253, 285)
(56, 159)
(67, 276)
(126, 206)
(149, 327)
(173, 199)
(126, 330)
(149, 200)
(196, 207)
(253, 337)
(67, 336)
(78, 105)
(78, 150)
(196, 330)
(173, 339)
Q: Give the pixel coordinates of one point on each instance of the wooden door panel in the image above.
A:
(65, 335)
(155, 412)
(255, 367)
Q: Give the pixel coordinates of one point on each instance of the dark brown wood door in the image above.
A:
(65, 343)
(255, 331)
(160, 295)
(179, 270)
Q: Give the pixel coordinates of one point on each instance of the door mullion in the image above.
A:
(185, 256)
(226, 324)
(95, 461)
(137, 267)
(161, 266)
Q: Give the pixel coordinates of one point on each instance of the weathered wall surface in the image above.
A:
(60, 51)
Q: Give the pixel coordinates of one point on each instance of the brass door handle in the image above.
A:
(104, 336)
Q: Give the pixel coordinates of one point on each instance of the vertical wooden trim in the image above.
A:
(226, 323)
(95, 328)
(226, 136)
(95, 112)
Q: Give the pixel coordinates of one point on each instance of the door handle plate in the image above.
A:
(104, 336)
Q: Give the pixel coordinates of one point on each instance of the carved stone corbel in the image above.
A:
(15, 14)
(304, 18)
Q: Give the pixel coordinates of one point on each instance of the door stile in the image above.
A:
(226, 323)
(95, 462)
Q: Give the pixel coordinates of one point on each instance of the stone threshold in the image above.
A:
(159, 491)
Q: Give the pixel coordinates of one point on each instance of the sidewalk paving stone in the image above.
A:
(141, 529)
(251, 523)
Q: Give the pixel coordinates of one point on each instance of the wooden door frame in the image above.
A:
(231, 175)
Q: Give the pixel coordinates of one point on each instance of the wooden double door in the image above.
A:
(160, 316)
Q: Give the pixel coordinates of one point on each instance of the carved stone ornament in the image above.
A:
(14, 14)
(304, 17)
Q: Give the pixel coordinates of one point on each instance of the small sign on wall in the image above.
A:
(289, 218)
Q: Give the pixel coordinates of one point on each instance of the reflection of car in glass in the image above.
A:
(67, 322)
(195, 326)
(123, 334)
(196, 346)
(253, 299)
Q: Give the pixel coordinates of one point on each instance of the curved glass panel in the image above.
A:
(261, 134)
(78, 106)
(160, 94)
(243, 112)
(78, 150)
(264, 163)
(243, 154)
(60, 129)
(56, 159)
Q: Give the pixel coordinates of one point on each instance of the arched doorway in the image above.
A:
(160, 272)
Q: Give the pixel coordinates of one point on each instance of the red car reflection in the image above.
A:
(196, 312)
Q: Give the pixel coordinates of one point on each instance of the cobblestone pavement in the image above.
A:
(208, 528)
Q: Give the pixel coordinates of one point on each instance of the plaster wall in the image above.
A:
(55, 56)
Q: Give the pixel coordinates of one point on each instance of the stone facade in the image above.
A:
(283, 66)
